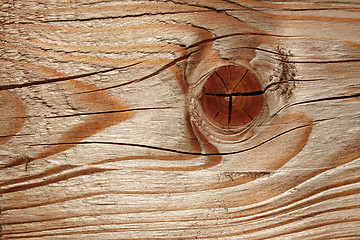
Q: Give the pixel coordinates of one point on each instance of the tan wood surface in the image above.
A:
(103, 136)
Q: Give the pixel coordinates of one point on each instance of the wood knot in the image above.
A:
(232, 97)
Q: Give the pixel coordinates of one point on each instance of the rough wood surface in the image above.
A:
(103, 137)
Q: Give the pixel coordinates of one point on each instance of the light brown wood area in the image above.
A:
(104, 134)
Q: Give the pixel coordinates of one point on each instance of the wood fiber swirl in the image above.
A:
(104, 133)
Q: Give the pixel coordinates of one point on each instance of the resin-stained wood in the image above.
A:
(104, 131)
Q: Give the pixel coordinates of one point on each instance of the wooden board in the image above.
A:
(104, 136)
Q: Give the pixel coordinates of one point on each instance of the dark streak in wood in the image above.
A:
(61, 79)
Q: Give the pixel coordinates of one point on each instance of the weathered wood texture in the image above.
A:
(103, 137)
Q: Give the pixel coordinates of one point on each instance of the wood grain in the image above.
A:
(103, 135)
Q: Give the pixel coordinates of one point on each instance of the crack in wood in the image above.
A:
(175, 150)
(61, 79)
(121, 17)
